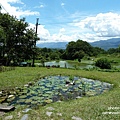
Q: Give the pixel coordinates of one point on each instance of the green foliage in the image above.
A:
(54, 56)
(103, 63)
(71, 78)
(78, 49)
(97, 50)
(113, 50)
(17, 41)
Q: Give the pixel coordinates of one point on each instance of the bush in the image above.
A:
(103, 63)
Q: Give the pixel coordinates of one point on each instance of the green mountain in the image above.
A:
(107, 44)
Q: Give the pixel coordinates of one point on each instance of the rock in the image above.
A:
(59, 114)
(26, 110)
(26, 85)
(19, 114)
(76, 118)
(5, 104)
(49, 113)
(59, 101)
(2, 113)
(6, 108)
(78, 97)
(0, 92)
(24, 117)
(9, 117)
(50, 108)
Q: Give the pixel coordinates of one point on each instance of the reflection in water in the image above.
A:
(64, 64)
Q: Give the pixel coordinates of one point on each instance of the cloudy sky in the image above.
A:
(68, 20)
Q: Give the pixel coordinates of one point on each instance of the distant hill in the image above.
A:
(107, 44)
(104, 44)
(59, 45)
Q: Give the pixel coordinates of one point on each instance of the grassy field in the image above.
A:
(86, 108)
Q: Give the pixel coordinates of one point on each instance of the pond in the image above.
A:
(58, 88)
(65, 64)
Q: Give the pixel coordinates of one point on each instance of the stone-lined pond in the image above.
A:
(58, 88)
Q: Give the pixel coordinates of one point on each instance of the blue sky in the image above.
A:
(68, 20)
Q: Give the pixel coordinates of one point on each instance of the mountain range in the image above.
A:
(104, 44)
(107, 44)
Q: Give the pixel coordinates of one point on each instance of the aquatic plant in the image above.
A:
(54, 88)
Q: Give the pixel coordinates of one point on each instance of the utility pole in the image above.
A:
(37, 20)
(0, 8)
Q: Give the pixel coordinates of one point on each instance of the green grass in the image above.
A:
(87, 108)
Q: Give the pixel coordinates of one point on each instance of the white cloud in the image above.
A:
(102, 25)
(15, 11)
(41, 6)
(45, 35)
(14, 1)
(62, 4)
(41, 31)
(62, 30)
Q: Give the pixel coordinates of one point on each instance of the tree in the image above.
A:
(103, 63)
(111, 50)
(19, 40)
(73, 50)
(54, 56)
(70, 50)
(2, 42)
(97, 50)
(81, 55)
(0, 8)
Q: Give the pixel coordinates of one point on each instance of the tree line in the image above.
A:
(74, 51)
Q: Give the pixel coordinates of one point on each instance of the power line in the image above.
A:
(3, 7)
(73, 22)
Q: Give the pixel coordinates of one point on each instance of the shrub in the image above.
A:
(103, 63)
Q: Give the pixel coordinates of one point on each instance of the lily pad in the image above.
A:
(21, 101)
(28, 101)
(22, 96)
